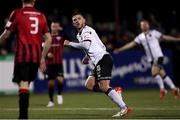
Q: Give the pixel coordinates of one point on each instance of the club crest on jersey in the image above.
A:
(58, 38)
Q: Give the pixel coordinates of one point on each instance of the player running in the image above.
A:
(150, 39)
(96, 51)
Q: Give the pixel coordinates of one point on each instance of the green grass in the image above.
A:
(145, 105)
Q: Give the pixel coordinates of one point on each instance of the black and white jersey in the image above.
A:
(150, 42)
(92, 44)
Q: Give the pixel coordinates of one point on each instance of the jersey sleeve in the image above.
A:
(11, 23)
(87, 36)
(157, 34)
(81, 45)
(137, 40)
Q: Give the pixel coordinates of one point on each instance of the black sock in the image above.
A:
(23, 105)
(109, 90)
(60, 88)
(51, 93)
(96, 88)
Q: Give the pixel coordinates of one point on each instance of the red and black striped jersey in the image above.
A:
(30, 25)
(56, 50)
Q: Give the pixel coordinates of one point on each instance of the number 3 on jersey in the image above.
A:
(34, 25)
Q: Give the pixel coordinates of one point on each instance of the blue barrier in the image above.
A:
(131, 70)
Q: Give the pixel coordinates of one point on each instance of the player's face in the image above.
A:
(78, 21)
(55, 27)
(144, 26)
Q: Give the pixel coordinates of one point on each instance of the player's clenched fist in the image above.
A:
(66, 42)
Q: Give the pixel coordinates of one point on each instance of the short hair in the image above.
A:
(55, 21)
(145, 20)
(27, 1)
(77, 12)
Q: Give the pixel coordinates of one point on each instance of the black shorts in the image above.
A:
(25, 72)
(158, 62)
(53, 71)
(103, 69)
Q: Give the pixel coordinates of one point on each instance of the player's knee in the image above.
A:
(89, 85)
(50, 84)
(60, 79)
(155, 73)
(24, 87)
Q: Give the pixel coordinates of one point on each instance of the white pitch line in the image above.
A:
(95, 109)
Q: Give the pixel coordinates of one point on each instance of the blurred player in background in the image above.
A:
(30, 25)
(96, 51)
(54, 63)
(150, 39)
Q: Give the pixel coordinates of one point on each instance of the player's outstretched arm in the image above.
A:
(169, 38)
(4, 36)
(125, 47)
(82, 45)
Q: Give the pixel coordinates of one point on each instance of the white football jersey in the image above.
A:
(96, 48)
(150, 42)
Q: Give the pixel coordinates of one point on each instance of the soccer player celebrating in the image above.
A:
(30, 24)
(54, 63)
(150, 40)
(96, 51)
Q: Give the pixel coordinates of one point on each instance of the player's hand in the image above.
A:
(66, 42)
(85, 60)
(43, 65)
(50, 55)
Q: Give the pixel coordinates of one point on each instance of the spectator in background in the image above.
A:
(31, 25)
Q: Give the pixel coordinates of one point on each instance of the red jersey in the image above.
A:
(56, 50)
(30, 25)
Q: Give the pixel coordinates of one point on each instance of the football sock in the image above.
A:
(159, 81)
(60, 88)
(169, 82)
(51, 91)
(23, 104)
(115, 98)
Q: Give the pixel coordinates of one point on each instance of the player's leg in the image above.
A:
(156, 74)
(20, 74)
(104, 86)
(103, 71)
(92, 83)
(60, 79)
(23, 99)
(114, 96)
(170, 83)
(60, 89)
(51, 92)
(51, 79)
(24, 73)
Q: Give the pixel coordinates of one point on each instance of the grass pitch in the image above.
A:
(145, 104)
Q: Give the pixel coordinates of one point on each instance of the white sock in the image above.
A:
(116, 99)
(159, 81)
(169, 82)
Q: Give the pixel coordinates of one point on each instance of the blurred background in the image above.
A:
(117, 23)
